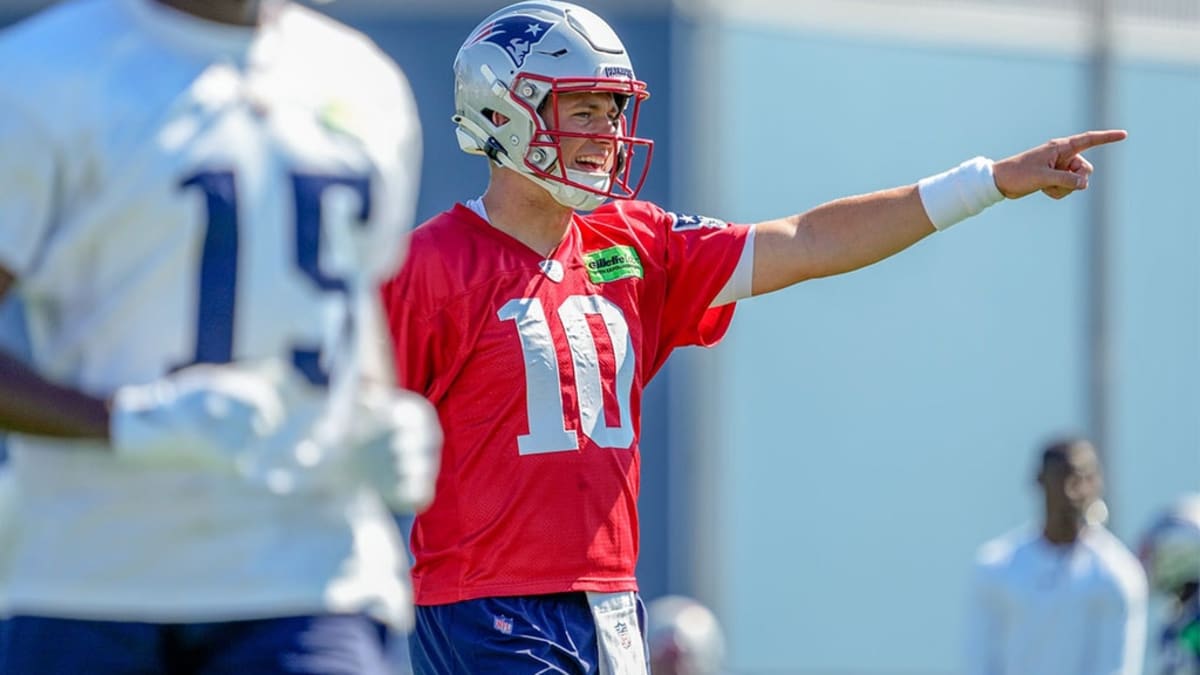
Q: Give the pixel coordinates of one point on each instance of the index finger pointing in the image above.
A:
(1090, 139)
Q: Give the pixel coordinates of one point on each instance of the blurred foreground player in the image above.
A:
(197, 200)
(1170, 552)
(534, 329)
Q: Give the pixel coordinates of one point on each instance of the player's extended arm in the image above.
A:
(853, 232)
(33, 405)
(30, 404)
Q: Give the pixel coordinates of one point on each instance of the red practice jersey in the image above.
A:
(537, 367)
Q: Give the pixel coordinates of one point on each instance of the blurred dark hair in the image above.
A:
(1059, 450)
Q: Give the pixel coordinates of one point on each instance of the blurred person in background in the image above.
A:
(197, 201)
(534, 328)
(1170, 552)
(1065, 598)
(683, 637)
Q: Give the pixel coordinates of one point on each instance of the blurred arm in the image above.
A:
(1121, 632)
(31, 404)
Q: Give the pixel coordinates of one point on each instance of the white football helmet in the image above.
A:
(1170, 549)
(517, 63)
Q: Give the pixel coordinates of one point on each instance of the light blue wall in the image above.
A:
(1157, 427)
(878, 426)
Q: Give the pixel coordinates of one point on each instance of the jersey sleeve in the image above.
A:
(1120, 642)
(699, 256)
(27, 178)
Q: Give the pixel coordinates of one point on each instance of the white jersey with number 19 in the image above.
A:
(172, 192)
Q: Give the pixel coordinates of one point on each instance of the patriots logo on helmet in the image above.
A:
(516, 35)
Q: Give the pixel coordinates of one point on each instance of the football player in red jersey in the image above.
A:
(534, 328)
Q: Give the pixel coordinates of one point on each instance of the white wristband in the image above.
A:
(959, 193)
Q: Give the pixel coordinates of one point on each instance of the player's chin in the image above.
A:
(1079, 512)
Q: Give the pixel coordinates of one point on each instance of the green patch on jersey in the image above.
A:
(339, 117)
(611, 264)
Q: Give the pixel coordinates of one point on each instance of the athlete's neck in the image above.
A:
(232, 12)
(526, 212)
(1063, 530)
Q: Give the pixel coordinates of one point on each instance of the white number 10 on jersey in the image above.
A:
(548, 430)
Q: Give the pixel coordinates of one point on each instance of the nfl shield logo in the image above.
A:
(623, 633)
(502, 624)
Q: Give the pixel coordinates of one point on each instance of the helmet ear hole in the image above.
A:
(497, 119)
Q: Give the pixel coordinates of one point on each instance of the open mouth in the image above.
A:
(591, 163)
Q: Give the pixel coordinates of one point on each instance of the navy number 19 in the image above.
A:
(219, 259)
